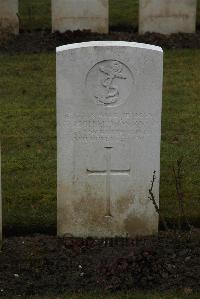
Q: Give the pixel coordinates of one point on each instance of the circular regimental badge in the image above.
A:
(109, 83)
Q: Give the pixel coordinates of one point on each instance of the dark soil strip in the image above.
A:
(47, 264)
(39, 41)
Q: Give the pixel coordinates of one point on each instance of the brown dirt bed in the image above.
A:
(39, 41)
(47, 264)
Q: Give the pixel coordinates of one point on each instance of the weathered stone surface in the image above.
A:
(167, 16)
(8, 16)
(80, 14)
(109, 97)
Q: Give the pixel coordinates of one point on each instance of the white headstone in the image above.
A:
(8, 16)
(109, 97)
(80, 14)
(167, 16)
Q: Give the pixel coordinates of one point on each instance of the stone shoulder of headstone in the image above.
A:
(108, 44)
(9, 21)
(167, 17)
(109, 101)
(80, 15)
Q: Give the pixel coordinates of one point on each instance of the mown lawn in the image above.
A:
(36, 14)
(28, 128)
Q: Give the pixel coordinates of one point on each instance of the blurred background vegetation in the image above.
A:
(36, 14)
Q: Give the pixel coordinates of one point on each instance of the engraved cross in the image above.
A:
(108, 172)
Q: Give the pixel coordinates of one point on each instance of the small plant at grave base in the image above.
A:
(183, 222)
(152, 198)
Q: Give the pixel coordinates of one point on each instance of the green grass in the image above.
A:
(28, 127)
(36, 14)
(198, 12)
(27, 92)
(181, 130)
(124, 13)
(120, 295)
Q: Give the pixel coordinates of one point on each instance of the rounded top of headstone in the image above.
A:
(108, 44)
